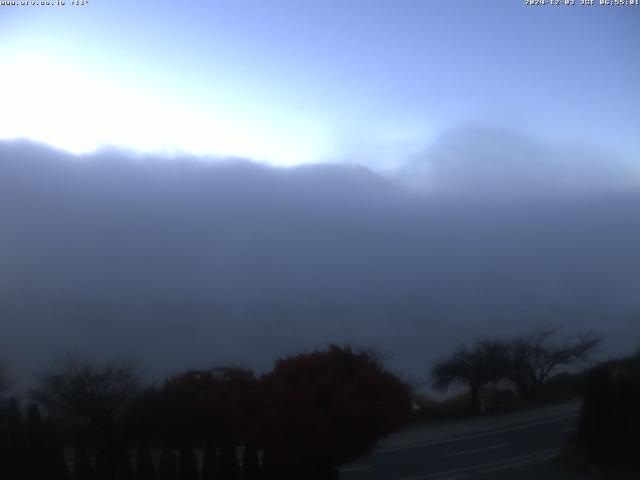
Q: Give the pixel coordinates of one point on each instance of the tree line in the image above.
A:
(310, 414)
(525, 361)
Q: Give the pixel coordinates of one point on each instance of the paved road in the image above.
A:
(473, 455)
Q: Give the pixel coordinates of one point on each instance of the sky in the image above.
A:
(288, 82)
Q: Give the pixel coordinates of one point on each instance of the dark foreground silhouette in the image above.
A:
(311, 413)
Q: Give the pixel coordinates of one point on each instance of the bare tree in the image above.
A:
(487, 361)
(87, 397)
(534, 356)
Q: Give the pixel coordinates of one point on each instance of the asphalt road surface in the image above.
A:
(469, 456)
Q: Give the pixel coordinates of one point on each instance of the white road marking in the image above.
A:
(476, 450)
(474, 435)
(491, 466)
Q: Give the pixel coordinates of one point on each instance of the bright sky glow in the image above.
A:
(289, 82)
(77, 113)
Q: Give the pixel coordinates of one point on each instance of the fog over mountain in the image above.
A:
(498, 163)
(184, 263)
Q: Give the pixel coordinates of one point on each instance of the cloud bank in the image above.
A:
(181, 263)
(494, 162)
